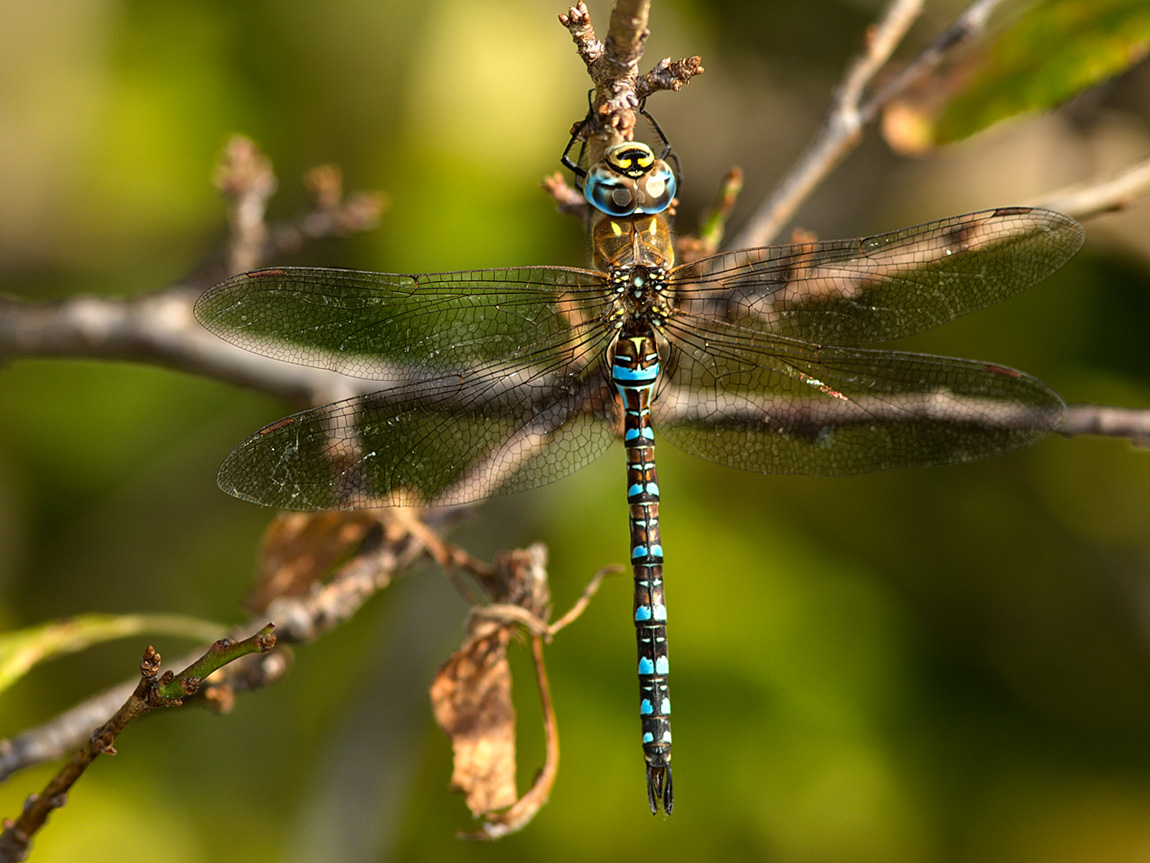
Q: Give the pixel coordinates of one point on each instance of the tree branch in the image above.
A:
(1105, 195)
(614, 70)
(1108, 421)
(152, 691)
(849, 114)
(159, 328)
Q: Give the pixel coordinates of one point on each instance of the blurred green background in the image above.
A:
(947, 664)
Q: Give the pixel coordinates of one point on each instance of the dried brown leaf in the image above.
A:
(300, 548)
(471, 696)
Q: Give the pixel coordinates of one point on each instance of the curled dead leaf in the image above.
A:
(471, 696)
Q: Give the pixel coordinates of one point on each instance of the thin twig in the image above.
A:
(1109, 421)
(585, 598)
(298, 619)
(152, 691)
(567, 197)
(245, 178)
(613, 66)
(713, 224)
(849, 115)
(529, 618)
(1083, 200)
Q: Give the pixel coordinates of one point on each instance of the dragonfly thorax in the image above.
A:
(639, 296)
(631, 241)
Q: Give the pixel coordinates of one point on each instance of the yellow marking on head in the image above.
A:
(630, 159)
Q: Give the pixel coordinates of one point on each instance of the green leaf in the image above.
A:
(1059, 48)
(23, 649)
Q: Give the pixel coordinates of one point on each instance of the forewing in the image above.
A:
(776, 405)
(870, 290)
(381, 325)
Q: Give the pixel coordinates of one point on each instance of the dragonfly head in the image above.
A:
(630, 180)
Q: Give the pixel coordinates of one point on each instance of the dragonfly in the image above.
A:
(495, 381)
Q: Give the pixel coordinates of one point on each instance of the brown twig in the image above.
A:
(532, 622)
(849, 114)
(299, 619)
(713, 224)
(613, 66)
(1105, 195)
(1109, 421)
(669, 74)
(567, 197)
(152, 691)
(584, 598)
(305, 618)
(245, 178)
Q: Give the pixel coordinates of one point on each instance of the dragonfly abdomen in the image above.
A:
(634, 372)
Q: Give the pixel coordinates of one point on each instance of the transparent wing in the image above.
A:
(443, 441)
(380, 325)
(870, 290)
(775, 405)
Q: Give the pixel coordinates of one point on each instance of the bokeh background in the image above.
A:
(947, 664)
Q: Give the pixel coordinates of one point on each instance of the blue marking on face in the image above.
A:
(648, 737)
(635, 490)
(653, 488)
(646, 708)
(645, 666)
(666, 706)
(661, 665)
(638, 551)
(644, 613)
(667, 736)
(660, 612)
(656, 551)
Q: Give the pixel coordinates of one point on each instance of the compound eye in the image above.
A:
(657, 189)
(609, 192)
